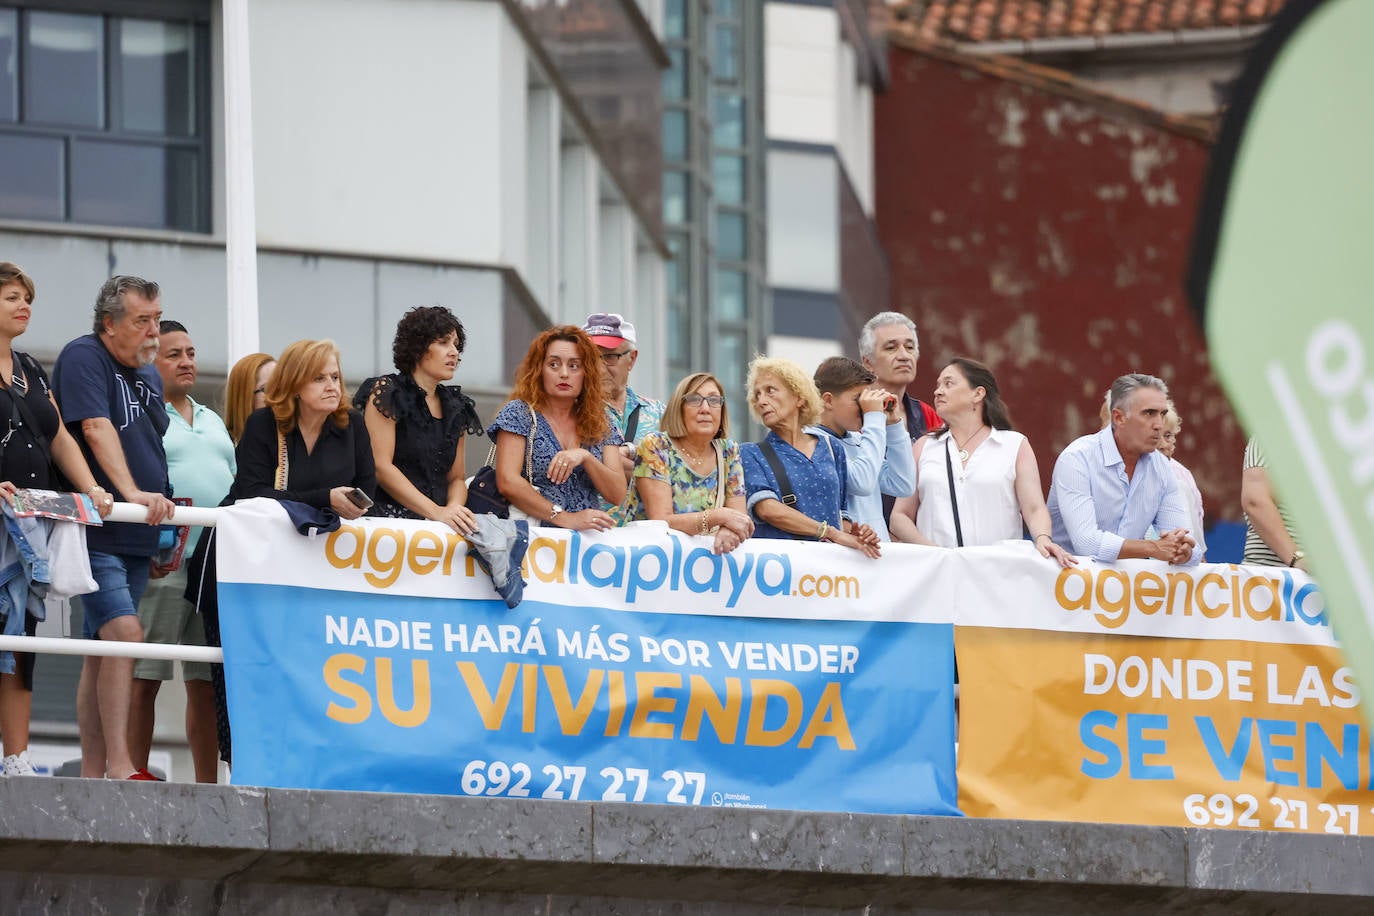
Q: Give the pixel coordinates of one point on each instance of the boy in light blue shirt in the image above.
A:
(868, 422)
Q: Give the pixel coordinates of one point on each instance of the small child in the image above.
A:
(868, 422)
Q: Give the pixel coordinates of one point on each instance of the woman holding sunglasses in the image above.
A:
(689, 474)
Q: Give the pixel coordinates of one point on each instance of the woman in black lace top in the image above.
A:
(417, 424)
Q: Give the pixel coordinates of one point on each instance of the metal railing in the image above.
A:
(62, 645)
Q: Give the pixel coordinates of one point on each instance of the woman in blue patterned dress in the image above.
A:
(558, 387)
(677, 470)
(784, 399)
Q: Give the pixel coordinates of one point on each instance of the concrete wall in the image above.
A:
(1049, 237)
(83, 846)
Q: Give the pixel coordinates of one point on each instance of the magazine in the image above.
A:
(175, 536)
(66, 507)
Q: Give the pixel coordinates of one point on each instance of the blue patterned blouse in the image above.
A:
(574, 494)
(818, 481)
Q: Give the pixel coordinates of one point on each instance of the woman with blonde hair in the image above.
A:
(558, 394)
(689, 473)
(246, 390)
(796, 479)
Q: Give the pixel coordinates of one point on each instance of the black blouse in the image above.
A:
(425, 445)
(26, 453)
(342, 457)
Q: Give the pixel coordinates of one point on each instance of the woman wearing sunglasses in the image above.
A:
(689, 474)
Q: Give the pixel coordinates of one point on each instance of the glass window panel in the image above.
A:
(156, 75)
(675, 206)
(64, 70)
(124, 184)
(726, 9)
(675, 77)
(729, 366)
(728, 174)
(31, 177)
(675, 19)
(731, 231)
(675, 135)
(729, 117)
(9, 62)
(731, 301)
(727, 52)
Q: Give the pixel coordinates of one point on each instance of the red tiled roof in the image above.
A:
(1026, 20)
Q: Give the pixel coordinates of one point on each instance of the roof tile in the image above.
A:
(1025, 20)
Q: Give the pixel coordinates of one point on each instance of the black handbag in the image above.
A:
(483, 495)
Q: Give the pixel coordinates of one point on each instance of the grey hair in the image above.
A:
(109, 302)
(880, 320)
(1127, 385)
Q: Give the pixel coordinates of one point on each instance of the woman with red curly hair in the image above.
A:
(558, 389)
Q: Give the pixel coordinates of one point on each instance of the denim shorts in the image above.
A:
(122, 579)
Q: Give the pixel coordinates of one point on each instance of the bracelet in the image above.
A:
(1039, 536)
(705, 520)
(821, 531)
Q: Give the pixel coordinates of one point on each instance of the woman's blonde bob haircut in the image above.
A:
(791, 375)
(299, 364)
(674, 425)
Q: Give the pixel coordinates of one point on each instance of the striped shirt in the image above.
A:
(1096, 508)
(1258, 553)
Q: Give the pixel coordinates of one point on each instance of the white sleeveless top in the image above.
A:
(986, 489)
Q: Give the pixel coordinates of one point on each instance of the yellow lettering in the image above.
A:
(547, 559)
(572, 719)
(762, 689)
(331, 545)
(1210, 610)
(1260, 584)
(391, 567)
(615, 696)
(530, 696)
(1149, 592)
(386, 693)
(703, 702)
(1186, 581)
(647, 703)
(829, 720)
(491, 711)
(1116, 611)
(425, 551)
(1061, 590)
(334, 667)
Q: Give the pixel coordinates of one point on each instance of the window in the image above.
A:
(731, 230)
(728, 177)
(731, 301)
(675, 135)
(103, 119)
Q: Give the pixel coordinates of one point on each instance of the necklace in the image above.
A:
(963, 449)
(693, 460)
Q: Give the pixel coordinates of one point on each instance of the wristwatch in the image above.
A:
(1297, 555)
(555, 512)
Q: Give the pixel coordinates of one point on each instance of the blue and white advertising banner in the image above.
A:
(639, 667)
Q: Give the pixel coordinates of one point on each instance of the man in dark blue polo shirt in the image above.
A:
(111, 399)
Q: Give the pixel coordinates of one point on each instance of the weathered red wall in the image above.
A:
(1048, 236)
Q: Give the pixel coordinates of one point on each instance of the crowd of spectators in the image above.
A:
(850, 458)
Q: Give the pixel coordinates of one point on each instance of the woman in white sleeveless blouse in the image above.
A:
(994, 475)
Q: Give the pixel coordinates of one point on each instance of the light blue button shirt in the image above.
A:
(1096, 509)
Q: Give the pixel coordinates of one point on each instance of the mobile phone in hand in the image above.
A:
(360, 499)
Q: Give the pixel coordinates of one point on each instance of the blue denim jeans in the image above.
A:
(121, 579)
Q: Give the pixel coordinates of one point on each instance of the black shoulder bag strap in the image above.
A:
(20, 409)
(632, 424)
(953, 500)
(788, 497)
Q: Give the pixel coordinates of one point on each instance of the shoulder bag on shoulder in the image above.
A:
(483, 495)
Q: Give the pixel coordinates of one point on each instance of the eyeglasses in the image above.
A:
(696, 400)
(260, 390)
(611, 359)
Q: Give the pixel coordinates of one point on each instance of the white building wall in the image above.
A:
(368, 118)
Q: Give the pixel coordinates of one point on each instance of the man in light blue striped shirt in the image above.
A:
(1111, 486)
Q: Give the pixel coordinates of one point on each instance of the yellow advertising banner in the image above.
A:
(1156, 730)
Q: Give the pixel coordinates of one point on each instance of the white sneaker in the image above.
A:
(18, 765)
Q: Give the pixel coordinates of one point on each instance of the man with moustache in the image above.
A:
(111, 399)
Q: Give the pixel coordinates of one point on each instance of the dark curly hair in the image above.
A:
(420, 327)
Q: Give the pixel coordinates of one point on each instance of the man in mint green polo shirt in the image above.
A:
(200, 465)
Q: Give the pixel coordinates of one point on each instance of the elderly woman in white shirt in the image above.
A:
(1187, 487)
(977, 480)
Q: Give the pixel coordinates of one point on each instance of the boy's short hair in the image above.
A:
(840, 373)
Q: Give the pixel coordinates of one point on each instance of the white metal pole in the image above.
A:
(58, 645)
(241, 241)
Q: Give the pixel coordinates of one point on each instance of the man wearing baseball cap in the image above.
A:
(633, 415)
